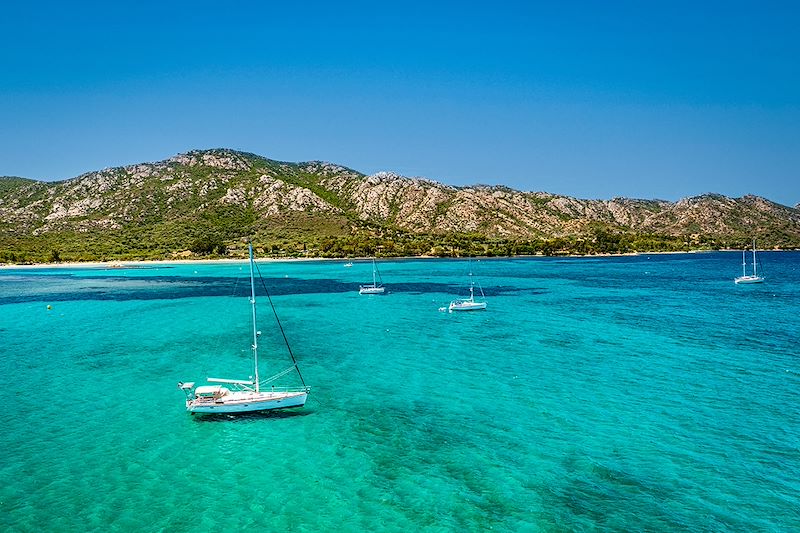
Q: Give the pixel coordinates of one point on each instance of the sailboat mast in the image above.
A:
(471, 288)
(744, 264)
(253, 305)
(754, 257)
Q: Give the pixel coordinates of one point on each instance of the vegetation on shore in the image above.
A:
(143, 244)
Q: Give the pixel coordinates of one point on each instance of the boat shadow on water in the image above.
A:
(253, 416)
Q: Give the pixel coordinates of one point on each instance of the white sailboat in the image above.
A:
(746, 278)
(469, 304)
(377, 284)
(245, 395)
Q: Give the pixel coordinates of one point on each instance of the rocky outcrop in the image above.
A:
(273, 196)
(221, 159)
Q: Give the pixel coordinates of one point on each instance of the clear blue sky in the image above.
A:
(660, 99)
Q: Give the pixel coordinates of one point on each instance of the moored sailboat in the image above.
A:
(469, 304)
(746, 278)
(246, 395)
(377, 284)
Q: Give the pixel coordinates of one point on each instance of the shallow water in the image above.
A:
(609, 394)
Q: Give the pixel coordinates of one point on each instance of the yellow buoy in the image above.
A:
(49, 307)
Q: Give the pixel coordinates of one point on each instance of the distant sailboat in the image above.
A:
(469, 304)
(377, 284)
(348, 264)
(746, 278)
(245, 395)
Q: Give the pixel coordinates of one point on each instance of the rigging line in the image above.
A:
(278, 375)
(236, 280)
(280, 326)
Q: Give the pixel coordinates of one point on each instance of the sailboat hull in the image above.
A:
(467, 306)
(248, 402)
(748, 279)
(371, 290)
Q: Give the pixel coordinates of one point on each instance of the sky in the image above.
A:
(657, 99)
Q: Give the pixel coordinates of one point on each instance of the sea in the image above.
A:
(635, 393)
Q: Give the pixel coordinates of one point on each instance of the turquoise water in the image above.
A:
(642, 393)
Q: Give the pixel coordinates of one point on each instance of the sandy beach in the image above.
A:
(113, 265)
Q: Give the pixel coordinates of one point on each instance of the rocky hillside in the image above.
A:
(221, 195)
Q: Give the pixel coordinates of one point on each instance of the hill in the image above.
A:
(204, 202)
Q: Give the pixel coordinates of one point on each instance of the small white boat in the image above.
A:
(377, 284)
(245, 395)
(746, 278)
(371, 290)
(468, 304)
(348, 264)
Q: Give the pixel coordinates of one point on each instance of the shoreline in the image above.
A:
(121, 265)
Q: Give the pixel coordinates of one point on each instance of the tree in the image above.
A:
(206, 244)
